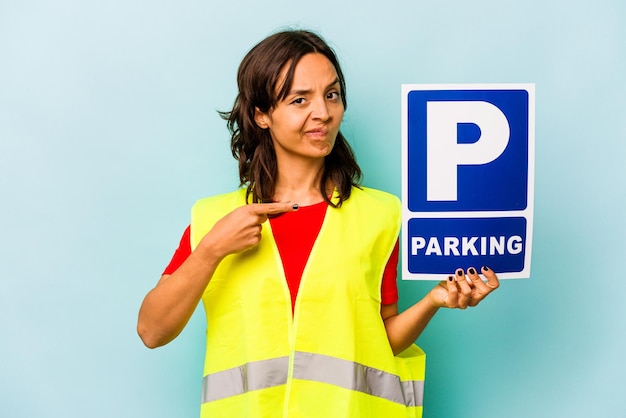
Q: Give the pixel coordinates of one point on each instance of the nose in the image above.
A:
(320, 110)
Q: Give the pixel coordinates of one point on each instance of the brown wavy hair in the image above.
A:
(257, 79)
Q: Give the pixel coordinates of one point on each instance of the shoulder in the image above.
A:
(205, 212)
(227, 200)
(209, 209)
(367, 195)
(372, 204)
(377, 215)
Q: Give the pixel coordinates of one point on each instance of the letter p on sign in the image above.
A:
(445, 154)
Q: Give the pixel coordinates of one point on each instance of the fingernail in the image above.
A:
(459, 272)
(450, 278)
(472, 271)
(295, 206)
(485, 268)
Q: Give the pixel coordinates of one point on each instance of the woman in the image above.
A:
(297, 270)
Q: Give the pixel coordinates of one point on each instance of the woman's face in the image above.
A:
(305, 124)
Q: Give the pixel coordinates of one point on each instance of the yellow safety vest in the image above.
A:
(331, 358)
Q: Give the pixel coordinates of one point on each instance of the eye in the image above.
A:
(298, 101)
(333, 95)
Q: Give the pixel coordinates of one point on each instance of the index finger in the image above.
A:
(273, 208)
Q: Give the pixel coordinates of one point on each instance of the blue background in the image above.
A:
(501, 184)
(109, 133)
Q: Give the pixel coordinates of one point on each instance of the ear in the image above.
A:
(261, 118)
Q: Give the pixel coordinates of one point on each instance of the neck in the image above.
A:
(299, 183)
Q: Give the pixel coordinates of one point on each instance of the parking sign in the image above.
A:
(467, 178)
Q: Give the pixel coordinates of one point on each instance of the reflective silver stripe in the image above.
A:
(413, 392)
(251, 376)
(315, 367)
(355, 376)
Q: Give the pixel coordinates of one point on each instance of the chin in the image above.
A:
(323, 153)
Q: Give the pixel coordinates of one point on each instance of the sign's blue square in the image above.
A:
(497, 183)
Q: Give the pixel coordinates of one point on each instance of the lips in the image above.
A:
(317, 132)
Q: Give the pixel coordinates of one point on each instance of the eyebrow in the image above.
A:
(304, 92)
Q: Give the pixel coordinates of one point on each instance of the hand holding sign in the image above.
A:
(459, 292)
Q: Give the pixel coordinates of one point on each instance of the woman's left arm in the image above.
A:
(457, 292)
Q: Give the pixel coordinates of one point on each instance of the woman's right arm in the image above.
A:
(166, 309)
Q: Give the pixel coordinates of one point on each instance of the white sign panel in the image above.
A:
(467, 178)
